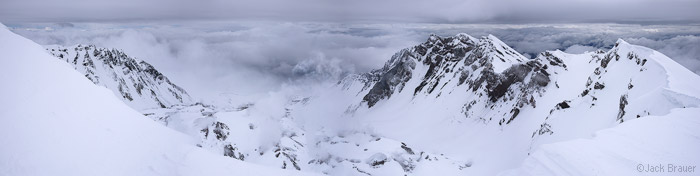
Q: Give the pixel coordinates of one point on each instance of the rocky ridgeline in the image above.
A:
(136, 82)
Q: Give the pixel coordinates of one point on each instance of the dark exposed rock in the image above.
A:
(598, 86)
(563, 105)
(463, 77)
(514, 74)
(230, 151)
(623, 103)
(360, 171)
(553, 60)
(515, 112)
(377, 160)
(221, 130)
(608, 57)
(545, 128)
(407, 149)
(288, 153)
(398, 73)
(251, 126)
(293, 159)
(584, 93)
(540, 79)
(205, 131)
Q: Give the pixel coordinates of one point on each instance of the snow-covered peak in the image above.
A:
(679, 78)
(464, 36)
(434, 38)
(622, 47)
(503, 56)
(136, 82)
(459, 60)
(494, 39)
(621, 42)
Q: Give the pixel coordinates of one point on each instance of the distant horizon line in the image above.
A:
(357, 21)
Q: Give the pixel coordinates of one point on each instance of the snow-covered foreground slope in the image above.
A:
(54, 121)
(670, 141)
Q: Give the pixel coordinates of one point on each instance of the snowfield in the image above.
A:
(456, 105)
(57, 122)
(626, 149)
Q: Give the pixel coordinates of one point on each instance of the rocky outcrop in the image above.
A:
(136, 82)
(483, 67)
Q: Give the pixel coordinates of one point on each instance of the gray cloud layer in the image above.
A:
(442, 11)
(245, 58)
(208, 58)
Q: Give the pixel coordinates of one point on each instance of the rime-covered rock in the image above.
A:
(136, 82)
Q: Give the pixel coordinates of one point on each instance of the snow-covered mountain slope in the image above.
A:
(479, 100)
(138, 83)
(56, 122)
(631, 148)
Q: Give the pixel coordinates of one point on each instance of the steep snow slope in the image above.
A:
(56, 122)
(138, 83)
(670, 141)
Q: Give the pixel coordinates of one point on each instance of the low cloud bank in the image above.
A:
(211, 59)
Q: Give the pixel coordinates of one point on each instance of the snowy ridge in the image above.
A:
(136, 82)
(678, 76)
(497, 118)
(654, 140)
(57, 122)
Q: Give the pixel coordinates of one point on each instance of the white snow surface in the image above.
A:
(666, 140)
(57, 122)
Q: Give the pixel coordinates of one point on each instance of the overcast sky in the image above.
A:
(211, 47)
(439, 11)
